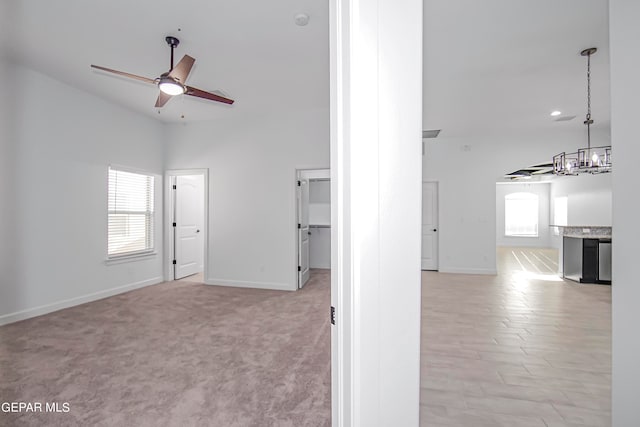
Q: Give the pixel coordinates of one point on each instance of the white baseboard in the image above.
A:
(254, 285)
(484, 271)
(59, 305)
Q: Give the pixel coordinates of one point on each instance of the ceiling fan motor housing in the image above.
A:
(172, 41)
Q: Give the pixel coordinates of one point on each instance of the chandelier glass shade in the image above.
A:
(590, 159)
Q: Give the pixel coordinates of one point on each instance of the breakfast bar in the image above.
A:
(586, 254)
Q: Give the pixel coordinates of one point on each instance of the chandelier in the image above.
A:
(585, 160)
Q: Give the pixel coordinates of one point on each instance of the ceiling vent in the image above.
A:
(531, 172)
(430, 133)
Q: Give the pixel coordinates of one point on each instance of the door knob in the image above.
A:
(197, 231)
(435, 229)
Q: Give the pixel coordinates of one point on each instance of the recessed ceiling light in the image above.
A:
(555, 113)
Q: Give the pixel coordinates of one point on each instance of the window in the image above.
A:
(521, 215)
(130, 212)
(559, 213)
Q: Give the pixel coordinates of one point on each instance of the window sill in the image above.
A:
(130, 258)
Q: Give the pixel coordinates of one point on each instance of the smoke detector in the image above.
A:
(301, 19)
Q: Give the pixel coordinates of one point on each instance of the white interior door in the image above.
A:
(429, 226)
(189, 220)
(303, 231)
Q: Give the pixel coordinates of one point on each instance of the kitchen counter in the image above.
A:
(585, 231)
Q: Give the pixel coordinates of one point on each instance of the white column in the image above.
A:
(376, 166)
(625, 138)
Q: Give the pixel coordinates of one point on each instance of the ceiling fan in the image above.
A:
(172, 82)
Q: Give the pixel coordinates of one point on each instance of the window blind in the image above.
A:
(130, 212)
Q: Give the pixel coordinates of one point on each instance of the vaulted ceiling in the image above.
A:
(251, 50)
(489, 66)
(502, 66)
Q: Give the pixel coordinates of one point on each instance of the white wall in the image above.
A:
(320, 202)
(55, 157)
(625, 87)
(8, 240)
(252, 162)
(320, 214)
(376, 110)
(467, 170)
(320, 248)
(543, 238)
(588, 203)
(7, 148)
(588, 198)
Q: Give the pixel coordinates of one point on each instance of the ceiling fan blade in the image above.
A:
(122, 73)
(207, 95)
(182, 69)
(163, 98)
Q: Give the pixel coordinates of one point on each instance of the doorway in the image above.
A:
(187, 225)
(429, 226)
(313, 222)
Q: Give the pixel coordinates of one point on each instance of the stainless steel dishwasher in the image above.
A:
(604, 260)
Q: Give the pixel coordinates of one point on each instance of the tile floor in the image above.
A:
(523, 348)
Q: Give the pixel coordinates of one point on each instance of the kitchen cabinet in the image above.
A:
(586, 258)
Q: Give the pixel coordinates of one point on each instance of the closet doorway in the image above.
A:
(313, 222)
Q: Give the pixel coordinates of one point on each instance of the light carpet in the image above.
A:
(175, 354)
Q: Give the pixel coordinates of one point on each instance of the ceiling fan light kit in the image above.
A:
(171, 83)
(590, 159)
(170, 86)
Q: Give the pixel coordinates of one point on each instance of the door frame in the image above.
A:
(169, 203)
(310, 173)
